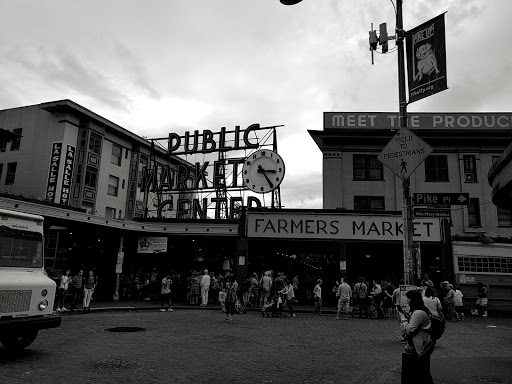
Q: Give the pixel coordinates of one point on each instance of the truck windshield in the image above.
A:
(20, 248)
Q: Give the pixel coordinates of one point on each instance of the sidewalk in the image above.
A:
(141, 305)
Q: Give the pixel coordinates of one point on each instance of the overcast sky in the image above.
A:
(163, 66)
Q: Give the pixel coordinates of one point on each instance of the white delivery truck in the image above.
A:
(26, 292)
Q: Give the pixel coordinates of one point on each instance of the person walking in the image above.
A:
(205, 286)
(481, 302)
(377, 298)
(360, 296)
(335, 291)
(295, 284)
(289, 293)
(450, 304)
(255, 288)
(77, 283)
(419, 344)
(231, 292)
(459, 305)
(63, 290)
(89, 287)
(317, 297)
(396, 298)
(344, 294)
(165, 294)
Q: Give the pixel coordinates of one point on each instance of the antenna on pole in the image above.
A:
(373, 40)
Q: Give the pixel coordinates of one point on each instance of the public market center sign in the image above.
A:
(338, 227)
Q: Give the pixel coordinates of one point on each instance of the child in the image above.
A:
(222, 300)
(269, 306)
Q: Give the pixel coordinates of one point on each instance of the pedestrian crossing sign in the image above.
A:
(404, 153)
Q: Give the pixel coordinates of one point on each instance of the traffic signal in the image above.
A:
(383, 37)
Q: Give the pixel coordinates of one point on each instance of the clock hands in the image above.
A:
(261, 170)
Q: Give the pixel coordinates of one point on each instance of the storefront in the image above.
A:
(328, 244)
(490, 264)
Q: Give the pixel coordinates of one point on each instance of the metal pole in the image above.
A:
(402, 118)
(118, 275)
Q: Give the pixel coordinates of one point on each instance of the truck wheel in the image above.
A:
(18, 340)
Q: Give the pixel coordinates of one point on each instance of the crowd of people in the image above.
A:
(269, 291)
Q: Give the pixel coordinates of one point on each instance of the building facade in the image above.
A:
(71, 156)
(84, 175)
(465, 146)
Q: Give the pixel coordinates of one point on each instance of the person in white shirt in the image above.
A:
(459, 305)
(205, 286)
(63, 290)
(433, 303)
(317, 292)
(165, 293)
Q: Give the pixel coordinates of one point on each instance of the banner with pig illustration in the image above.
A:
(426, 59)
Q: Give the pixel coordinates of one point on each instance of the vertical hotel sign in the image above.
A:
(65, 189)
(426, 59)
(53, 172)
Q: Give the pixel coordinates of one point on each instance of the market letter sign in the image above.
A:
(53, 171)
(426, 59)
(339, 227)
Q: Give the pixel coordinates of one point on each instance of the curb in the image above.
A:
(178, 307)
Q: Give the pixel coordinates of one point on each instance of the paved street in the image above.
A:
(196, 346)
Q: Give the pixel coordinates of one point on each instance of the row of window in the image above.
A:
(15, 144)
(484, 264)
(95, 147)
(377, 203)
(368, 167)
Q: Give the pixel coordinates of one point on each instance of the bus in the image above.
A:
(27, 294)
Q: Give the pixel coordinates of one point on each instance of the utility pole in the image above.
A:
(409, 263)
(374, 40)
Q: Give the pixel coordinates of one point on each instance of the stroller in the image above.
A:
(273, 307)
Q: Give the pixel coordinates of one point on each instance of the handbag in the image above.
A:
(437, 327)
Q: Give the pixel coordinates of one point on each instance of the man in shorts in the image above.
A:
(344, 294)
(266, 284)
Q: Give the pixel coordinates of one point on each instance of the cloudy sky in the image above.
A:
(163, 66)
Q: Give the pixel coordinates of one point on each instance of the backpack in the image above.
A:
(361, 292)
(437, 327)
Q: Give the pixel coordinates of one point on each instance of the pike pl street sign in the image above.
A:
(441, 198)
(404, 153)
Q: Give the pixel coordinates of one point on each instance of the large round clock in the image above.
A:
(263, 171)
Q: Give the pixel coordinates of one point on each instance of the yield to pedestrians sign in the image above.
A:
(404, 153)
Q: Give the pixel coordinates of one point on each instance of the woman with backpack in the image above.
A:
(416, 328)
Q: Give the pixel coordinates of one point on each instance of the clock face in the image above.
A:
(263, 171)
